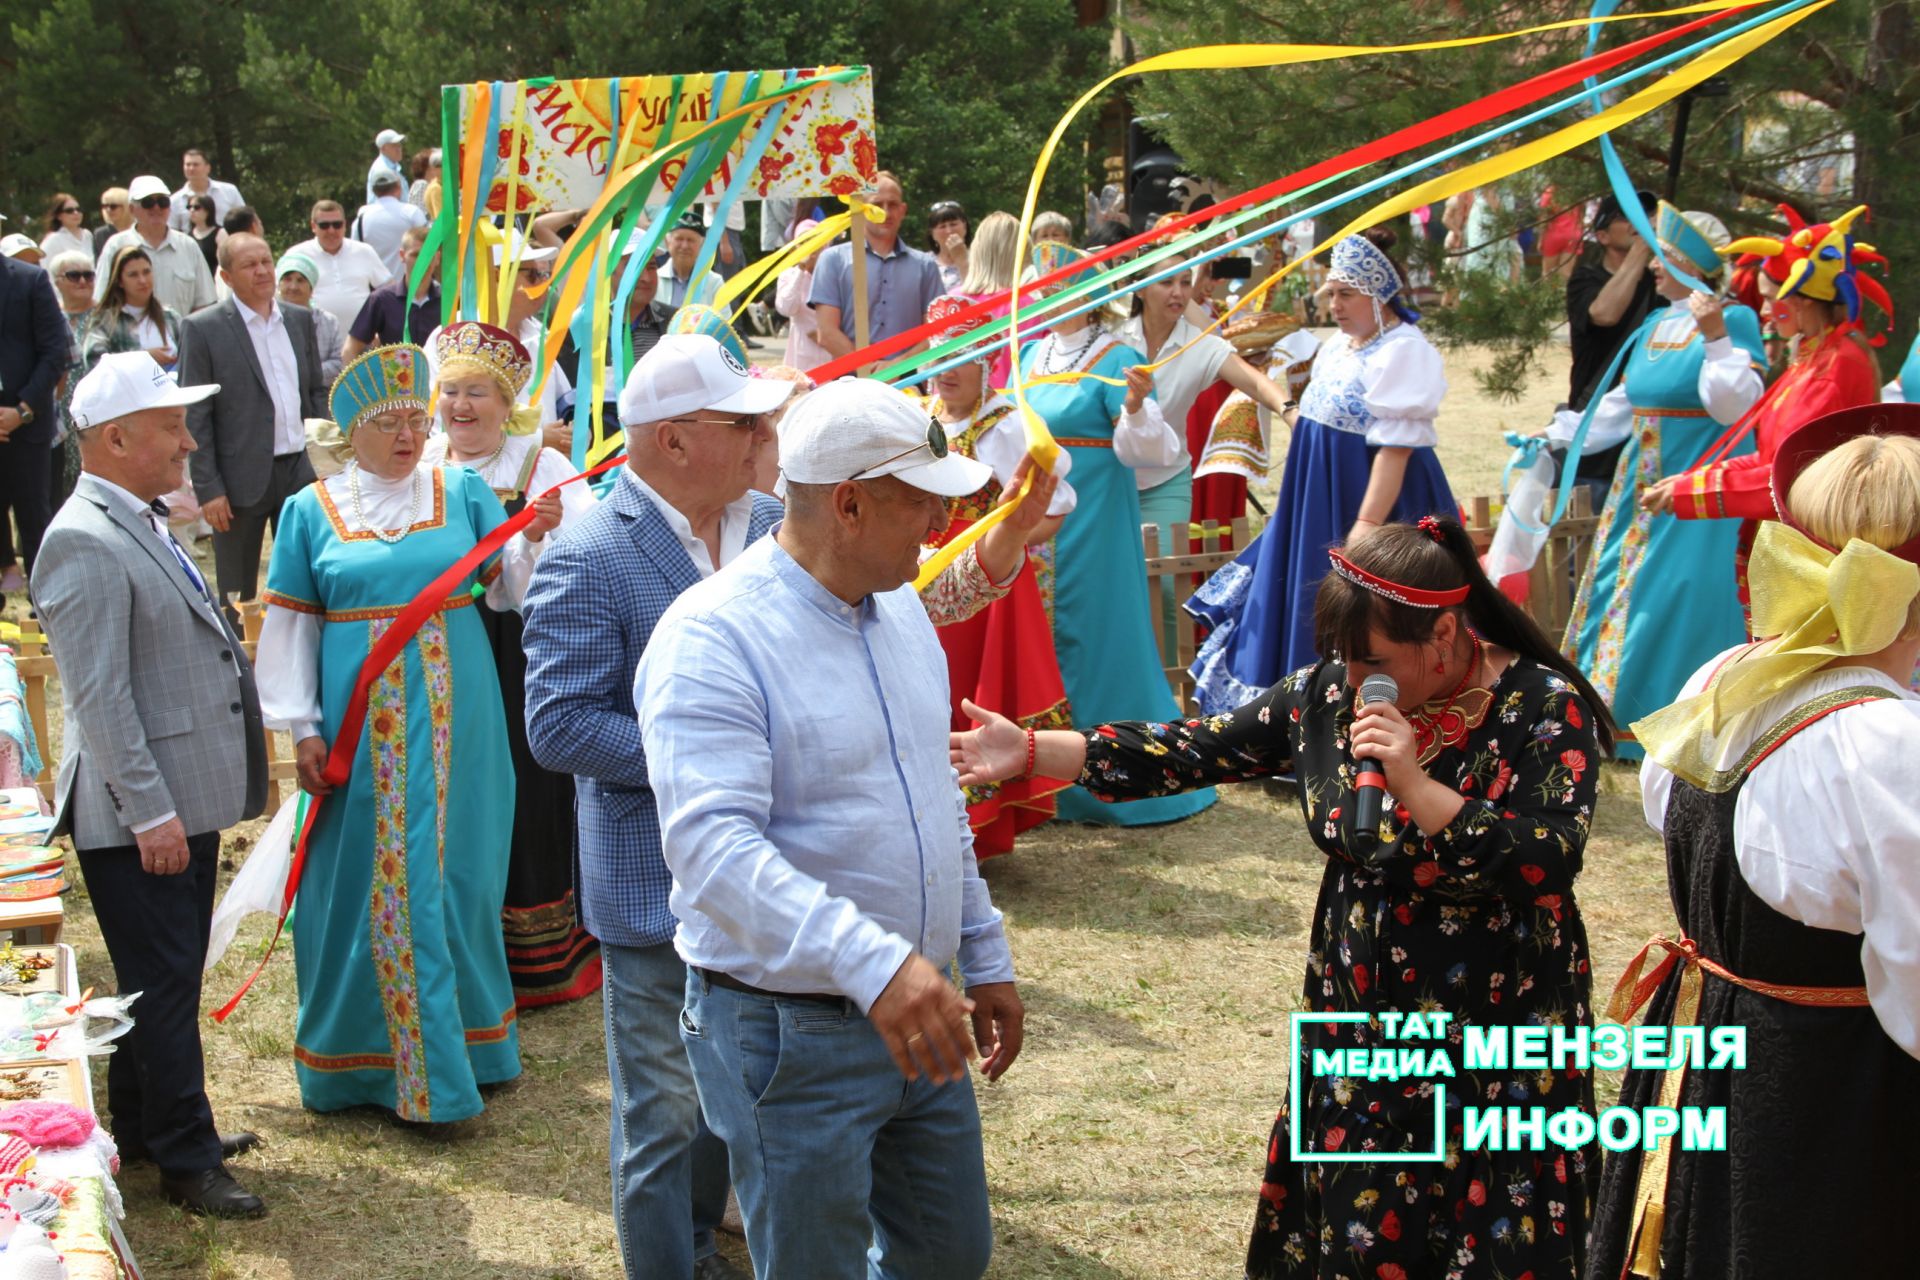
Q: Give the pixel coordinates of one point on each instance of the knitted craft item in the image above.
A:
(48, 1124)
(377, 382)
(13, 1150)
(29, 1254)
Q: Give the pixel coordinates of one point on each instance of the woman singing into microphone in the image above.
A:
(1461, 901)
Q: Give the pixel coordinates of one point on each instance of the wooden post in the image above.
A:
(861, 329)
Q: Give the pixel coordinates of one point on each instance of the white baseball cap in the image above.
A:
(145, 185)
(860, 429)
(686, 372)
(16, 244)
(388, 137)
(128, 382)
(526, 252)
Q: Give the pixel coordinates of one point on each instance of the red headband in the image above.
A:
(1394, 591)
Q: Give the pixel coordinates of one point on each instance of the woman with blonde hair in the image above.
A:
(1781, 782)
(481, 373)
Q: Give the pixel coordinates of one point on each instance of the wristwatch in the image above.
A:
(26, 413)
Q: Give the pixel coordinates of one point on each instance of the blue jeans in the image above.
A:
(836, 1156)
(669, 1170)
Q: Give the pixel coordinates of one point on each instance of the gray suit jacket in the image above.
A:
(235, 428)
(161, 708)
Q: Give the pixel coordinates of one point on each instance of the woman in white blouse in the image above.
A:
(482, 370)
(1361, 454)
(65, 234)
(1782, 784)
(405, 1000)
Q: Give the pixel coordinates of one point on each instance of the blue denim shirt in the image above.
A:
(797, 746)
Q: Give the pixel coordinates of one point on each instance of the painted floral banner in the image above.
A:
(823, 144)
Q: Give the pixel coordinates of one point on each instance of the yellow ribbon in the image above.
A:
(1818, 605)
(752, 279)
(1040, 442)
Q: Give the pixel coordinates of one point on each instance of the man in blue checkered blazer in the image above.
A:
(695, 426)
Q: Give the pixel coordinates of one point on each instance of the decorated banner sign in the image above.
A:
(565, 147)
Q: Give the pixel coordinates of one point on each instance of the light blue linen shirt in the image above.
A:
(797, 746)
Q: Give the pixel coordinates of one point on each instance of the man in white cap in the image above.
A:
(163, 748)
(181, 280)
(794, 712)
(386, 159)
(695, 427)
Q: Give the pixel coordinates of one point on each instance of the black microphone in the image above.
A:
(1371, 784)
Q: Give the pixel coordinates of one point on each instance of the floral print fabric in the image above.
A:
(1478, 920)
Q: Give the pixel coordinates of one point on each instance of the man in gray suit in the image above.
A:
(163, 748)
(252, 438)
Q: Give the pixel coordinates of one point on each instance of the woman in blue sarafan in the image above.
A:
(1905, 386)
(1655, 602)
(1361, 456)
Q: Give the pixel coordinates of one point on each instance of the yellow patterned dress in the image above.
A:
(405, 1001)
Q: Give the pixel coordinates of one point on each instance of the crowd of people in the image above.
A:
(687, 734)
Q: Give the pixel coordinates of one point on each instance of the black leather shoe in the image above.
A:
(238, 1144)
(212, 1193)
(715, 1267)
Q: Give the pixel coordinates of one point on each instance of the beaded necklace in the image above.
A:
(388, 536)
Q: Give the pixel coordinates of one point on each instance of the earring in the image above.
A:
(1440, 667)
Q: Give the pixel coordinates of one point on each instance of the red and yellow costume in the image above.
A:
(1002, 656)
(1834, 372)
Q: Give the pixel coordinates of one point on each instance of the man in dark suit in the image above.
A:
(162, 748)
(252, 438)
(33, 355)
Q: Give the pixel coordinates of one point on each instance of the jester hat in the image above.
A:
(1821, 261)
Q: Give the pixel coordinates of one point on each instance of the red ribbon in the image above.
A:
(386, 650)
(1396, 143)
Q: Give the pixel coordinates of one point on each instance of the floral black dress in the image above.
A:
(1477, 920)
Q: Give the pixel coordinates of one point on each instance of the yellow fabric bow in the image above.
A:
(1817, 605)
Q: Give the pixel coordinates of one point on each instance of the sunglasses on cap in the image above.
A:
(76, 276)
(946, 211)
(331, 224)
(935, 444)
(154, 202)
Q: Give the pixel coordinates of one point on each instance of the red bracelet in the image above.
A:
(1032, 747)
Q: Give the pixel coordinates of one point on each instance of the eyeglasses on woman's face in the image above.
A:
(113, 204)
(77, 277)
(69, 208)
(391, 422)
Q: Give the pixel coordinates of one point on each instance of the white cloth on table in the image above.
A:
(1388, 389)
(1179, 383)
(1824, 829)
(288, 664)
(1728, 386)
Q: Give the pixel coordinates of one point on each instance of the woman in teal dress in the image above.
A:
(1102, 630)
(1905, 387)
(1655, 601)
(405, 1000)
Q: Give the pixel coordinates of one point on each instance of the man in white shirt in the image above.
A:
(201, 182)
(180, 276)
(387, 161)
(349, 270)
(382, 224)
(684, 242)
(252, 453)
